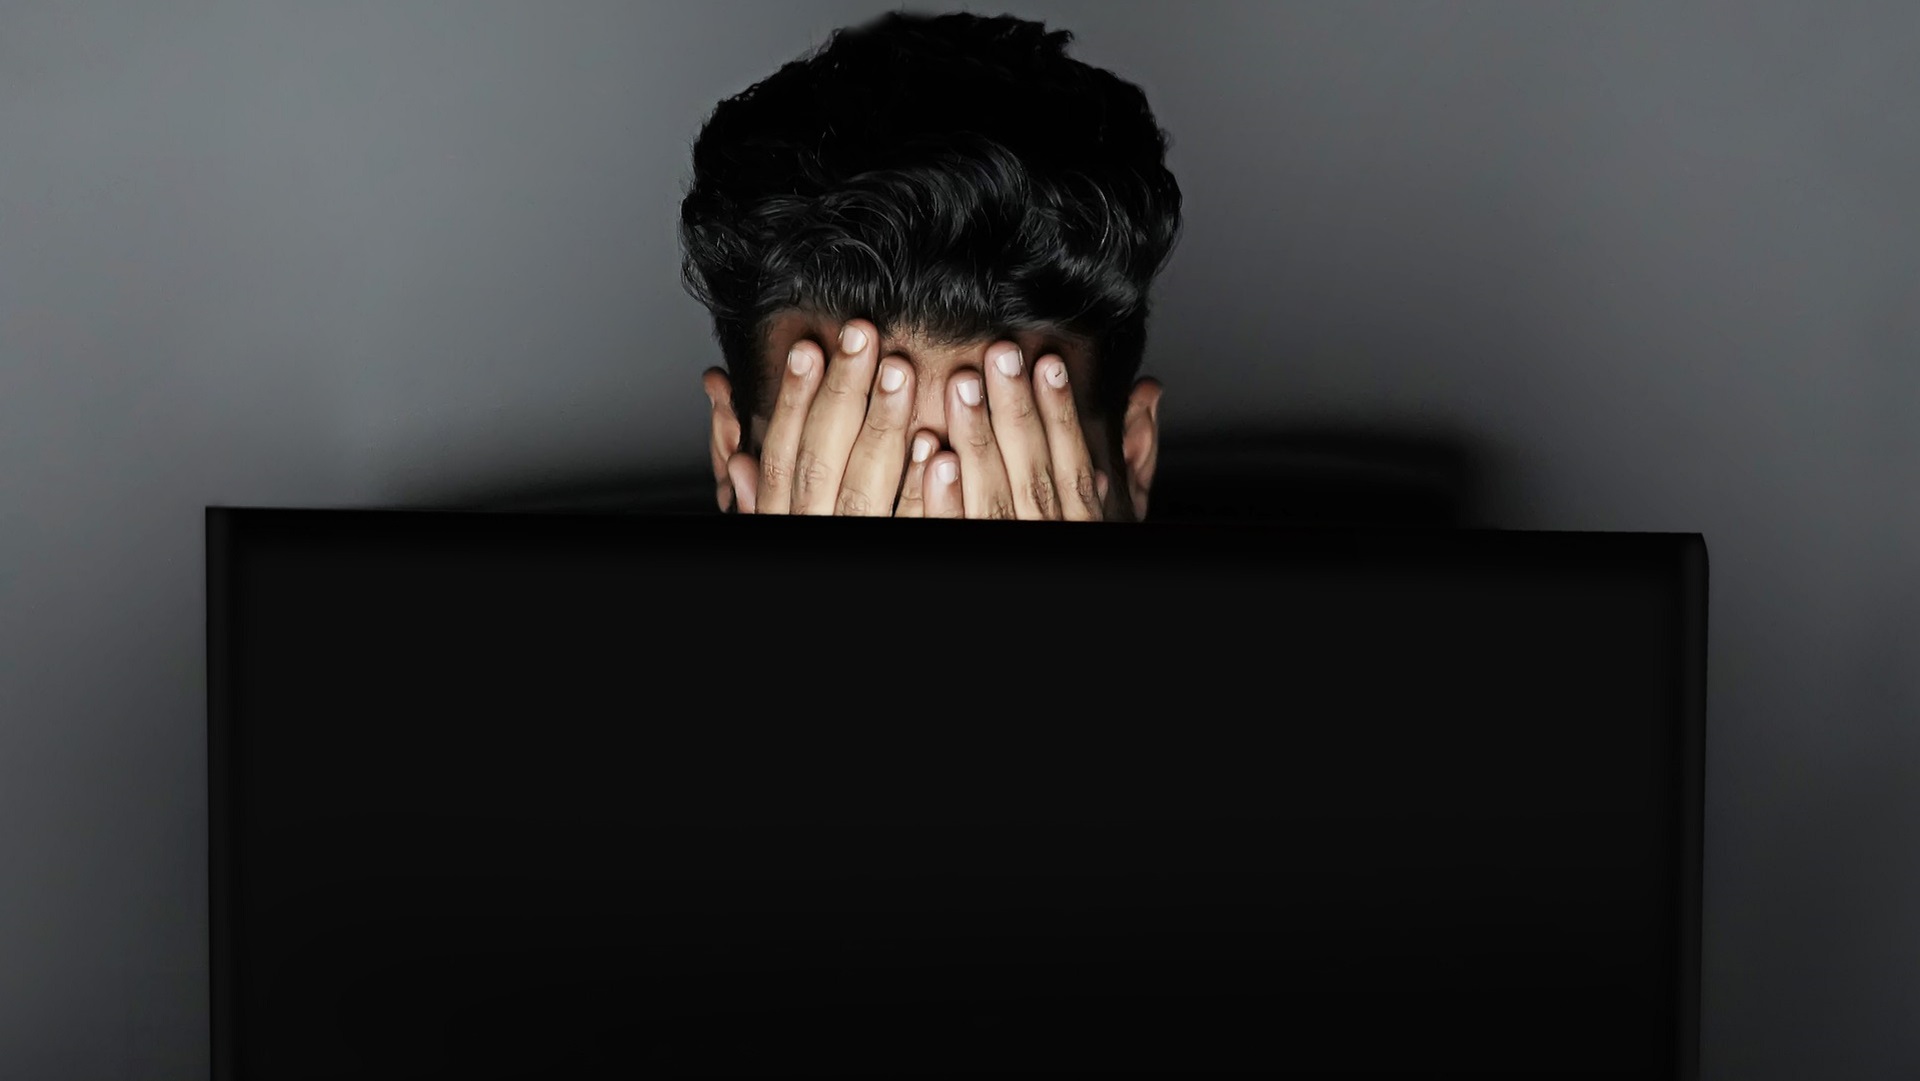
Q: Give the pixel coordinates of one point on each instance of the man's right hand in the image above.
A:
(837, 438)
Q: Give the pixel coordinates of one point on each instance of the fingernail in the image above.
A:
(798, 361)
(852, 340)
(1008, 362)
(946, 471)
(891, 378)
(921, 448)
(970, 392)
(1057, 374)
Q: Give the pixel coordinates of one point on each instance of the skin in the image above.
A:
(838, 433)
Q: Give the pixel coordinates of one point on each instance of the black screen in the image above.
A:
(658, 796)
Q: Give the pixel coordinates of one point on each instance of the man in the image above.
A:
(927, 249)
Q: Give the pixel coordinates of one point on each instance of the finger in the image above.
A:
(1018, 432)
(983, 475)
(782, 444)
(833, 420)
(872, 479)
(744, 472)
(1072, 463)
(944, 497)
(912, 492)
(724, 431)
(1100, 487)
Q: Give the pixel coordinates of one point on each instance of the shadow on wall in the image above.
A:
(1324, 476)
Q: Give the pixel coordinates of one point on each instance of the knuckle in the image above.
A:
(853, 502)
(999, 506)
(1020, 408)
(809, 472)
(1084, 489)
(776, 471)
(1040, 490)
(979, 436)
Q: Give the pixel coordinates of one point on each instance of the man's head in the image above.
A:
(956, 180)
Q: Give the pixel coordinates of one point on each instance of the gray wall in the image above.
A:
(1657, 261)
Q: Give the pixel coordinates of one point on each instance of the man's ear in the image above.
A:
(1140, 442)
(723, 440)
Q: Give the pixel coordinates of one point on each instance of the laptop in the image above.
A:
(689, 795)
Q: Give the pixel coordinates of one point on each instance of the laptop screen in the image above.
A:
(640, 795)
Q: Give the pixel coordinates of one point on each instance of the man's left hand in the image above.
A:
(1018, 448)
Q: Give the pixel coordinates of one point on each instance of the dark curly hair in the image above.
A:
(954, 175)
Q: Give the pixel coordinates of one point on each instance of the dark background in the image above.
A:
(1651, 266)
